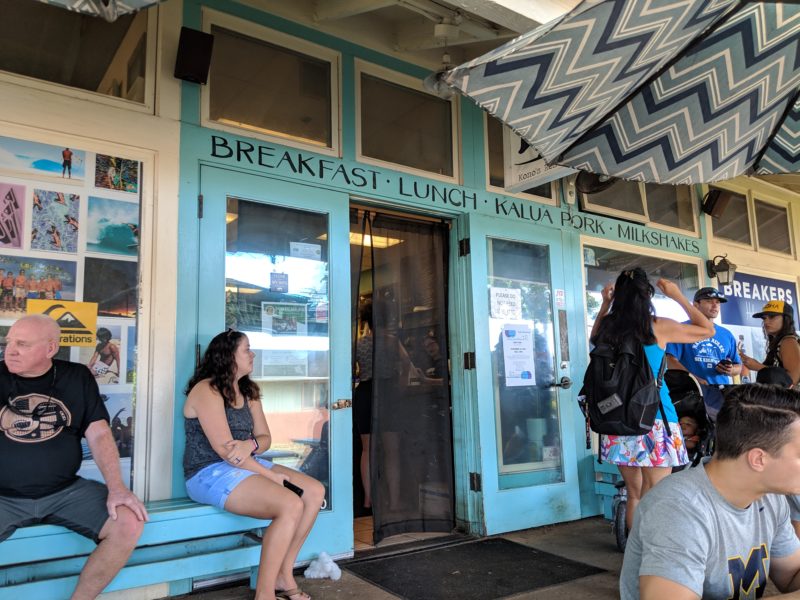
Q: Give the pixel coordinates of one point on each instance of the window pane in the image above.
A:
(604, 265)
(405, 126)
(734, 224)
(276, 291)
(670, 205)
(497, 172)
(526, 407)
(622, 195)
(773, 227)
(81, 51)
(261, 86)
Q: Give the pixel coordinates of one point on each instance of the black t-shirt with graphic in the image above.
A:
(42, 421)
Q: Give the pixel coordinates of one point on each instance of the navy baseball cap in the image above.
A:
(709, 293)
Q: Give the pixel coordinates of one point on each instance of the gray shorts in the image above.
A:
(80, 507)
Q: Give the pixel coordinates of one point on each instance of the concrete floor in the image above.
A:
(589, 541)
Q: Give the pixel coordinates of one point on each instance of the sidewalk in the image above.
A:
(589, 541)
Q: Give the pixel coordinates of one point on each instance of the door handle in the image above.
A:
(343, 403)
(565, 383)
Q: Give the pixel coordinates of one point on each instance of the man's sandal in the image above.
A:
(292, 594)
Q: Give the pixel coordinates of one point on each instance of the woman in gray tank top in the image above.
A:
(225, 431)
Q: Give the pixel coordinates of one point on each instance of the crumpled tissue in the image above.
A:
(322, 567)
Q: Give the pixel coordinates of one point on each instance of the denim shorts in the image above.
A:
(214, 483)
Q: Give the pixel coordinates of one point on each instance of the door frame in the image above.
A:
(333, 530)
(514, 508)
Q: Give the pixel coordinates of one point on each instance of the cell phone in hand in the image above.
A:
(293, 488)
(725, 362)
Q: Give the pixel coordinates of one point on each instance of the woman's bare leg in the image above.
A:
(261, 498)
(313, 495)
(632, 476)
(652, 475)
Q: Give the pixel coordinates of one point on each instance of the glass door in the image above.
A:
(274, 264)
(526, 396)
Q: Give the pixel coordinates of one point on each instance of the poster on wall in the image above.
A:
(77, 320)
(113, 227)
(11, 215)
(55, 221)
(82, 208)
(112, 284)
(23, 278)
(41, 161)
(104, 358)
(747, 295)
(120, 410)
(115, 173)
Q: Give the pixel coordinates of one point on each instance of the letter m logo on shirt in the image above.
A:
(749, 579)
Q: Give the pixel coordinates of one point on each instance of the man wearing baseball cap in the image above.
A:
(713, 360)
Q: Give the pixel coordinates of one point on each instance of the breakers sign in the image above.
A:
(335, 172)
(78, 320)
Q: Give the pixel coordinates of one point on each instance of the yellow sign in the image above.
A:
(78, 320)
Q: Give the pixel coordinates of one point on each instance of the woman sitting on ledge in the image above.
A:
(225, 430)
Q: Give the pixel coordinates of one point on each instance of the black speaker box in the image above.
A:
(715, 202)
(194, 55)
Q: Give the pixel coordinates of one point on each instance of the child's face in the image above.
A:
(688, 426)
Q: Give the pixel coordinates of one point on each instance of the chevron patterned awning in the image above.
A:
(110, 10)
(680, 92)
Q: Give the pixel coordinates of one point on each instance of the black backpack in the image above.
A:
(622, 396)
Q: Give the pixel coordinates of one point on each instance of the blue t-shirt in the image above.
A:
(701, 358)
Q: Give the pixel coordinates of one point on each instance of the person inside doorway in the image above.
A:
(225, 431)
(362, 395)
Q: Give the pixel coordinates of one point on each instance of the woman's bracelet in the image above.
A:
(255, 445)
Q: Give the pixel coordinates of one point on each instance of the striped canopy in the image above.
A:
(661, 91)
(110, 10)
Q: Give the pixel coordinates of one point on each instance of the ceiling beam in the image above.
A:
(419, 36)
(517, 15)
(325, 10)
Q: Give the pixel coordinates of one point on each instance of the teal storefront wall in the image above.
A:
(239, 153)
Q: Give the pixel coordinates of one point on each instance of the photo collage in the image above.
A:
(69, 230)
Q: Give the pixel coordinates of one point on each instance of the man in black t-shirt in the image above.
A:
(46, 407)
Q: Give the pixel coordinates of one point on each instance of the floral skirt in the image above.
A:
(654, 449)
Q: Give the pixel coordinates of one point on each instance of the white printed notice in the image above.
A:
(518, 355)
(506, 303)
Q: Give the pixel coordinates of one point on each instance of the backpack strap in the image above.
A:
(659, 382)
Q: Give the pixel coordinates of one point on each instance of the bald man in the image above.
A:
(52, 404)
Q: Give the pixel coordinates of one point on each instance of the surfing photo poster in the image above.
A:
(112, 227)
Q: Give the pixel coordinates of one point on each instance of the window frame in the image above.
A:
(587, 206)
(751, 195)
(274, 37)
(751, 217)
(780, 204)
(397, 78)
(587, 240)
(146, 107)
(554, 185)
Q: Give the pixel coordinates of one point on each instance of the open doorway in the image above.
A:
(402, 439)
